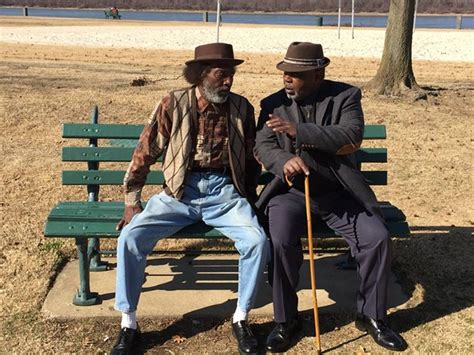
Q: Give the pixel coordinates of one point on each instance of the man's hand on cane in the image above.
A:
(295, 166)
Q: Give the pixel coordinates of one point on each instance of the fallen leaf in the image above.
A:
(178, 339)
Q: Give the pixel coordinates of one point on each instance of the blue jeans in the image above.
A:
(209, 197)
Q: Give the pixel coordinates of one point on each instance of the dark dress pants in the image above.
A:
(366, 235)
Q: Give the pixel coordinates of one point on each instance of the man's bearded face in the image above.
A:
(217, 84)
(300, 85)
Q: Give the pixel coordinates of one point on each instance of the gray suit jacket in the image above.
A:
(337, 132)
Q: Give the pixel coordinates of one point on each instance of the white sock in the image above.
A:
(129, 320)
(239, 315)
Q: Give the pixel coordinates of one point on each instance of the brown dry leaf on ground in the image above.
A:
(430, 179)
(178, 339)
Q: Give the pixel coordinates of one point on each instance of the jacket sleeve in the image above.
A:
(253, 168)
(151, 144)
(268, 150)
(343, 137)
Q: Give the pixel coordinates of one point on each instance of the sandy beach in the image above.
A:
(439, 45)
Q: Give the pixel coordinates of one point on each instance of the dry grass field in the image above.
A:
(430, 179)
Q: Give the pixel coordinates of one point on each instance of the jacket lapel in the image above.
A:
(321, 108)
(291, 112)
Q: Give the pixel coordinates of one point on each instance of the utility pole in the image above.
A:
(352, 18)
(339, 21)
(218, 19)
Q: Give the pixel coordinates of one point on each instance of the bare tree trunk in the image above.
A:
(395, 73)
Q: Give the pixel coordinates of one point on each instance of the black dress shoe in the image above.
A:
(245, 338)
(380, 332)
(279, 339)
(125, 342)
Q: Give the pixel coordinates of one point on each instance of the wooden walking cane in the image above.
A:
(311, 258)
(311, 262)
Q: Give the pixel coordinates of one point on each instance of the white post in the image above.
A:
(414, 19)
(218, 19)
(339, 21)
(352, 19)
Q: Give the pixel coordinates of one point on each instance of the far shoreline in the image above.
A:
(335, 13)
(26, 21)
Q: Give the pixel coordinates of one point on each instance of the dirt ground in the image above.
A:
(430, 179)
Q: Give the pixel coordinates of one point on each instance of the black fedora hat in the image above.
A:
(220, 53)
(303, 56)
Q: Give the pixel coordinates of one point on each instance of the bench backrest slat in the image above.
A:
(89, 130)
(105, 177)
(124, 154)
(97, 154)
(115, 177)
(78, 130)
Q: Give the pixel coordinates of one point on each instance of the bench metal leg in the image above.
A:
(93, 249)
(93, 195)
(84, 296)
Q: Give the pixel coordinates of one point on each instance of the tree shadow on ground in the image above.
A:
(437, 262)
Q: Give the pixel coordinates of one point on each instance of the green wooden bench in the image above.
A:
(114, 14)
(88, 220)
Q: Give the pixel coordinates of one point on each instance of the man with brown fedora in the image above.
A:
(206, 134)
(313, 126)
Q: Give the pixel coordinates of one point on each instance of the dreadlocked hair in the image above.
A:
(194, 73)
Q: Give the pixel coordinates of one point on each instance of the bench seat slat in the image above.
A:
(114, 210)
(106, 229)
(124, 154)
(98, 219)
(121, 131)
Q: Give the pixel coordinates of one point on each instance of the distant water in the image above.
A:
(422, 21)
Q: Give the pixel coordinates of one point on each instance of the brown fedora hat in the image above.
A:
(303, 56)
(220, 53)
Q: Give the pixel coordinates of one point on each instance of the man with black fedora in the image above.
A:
(313, 126)
(206, 134)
